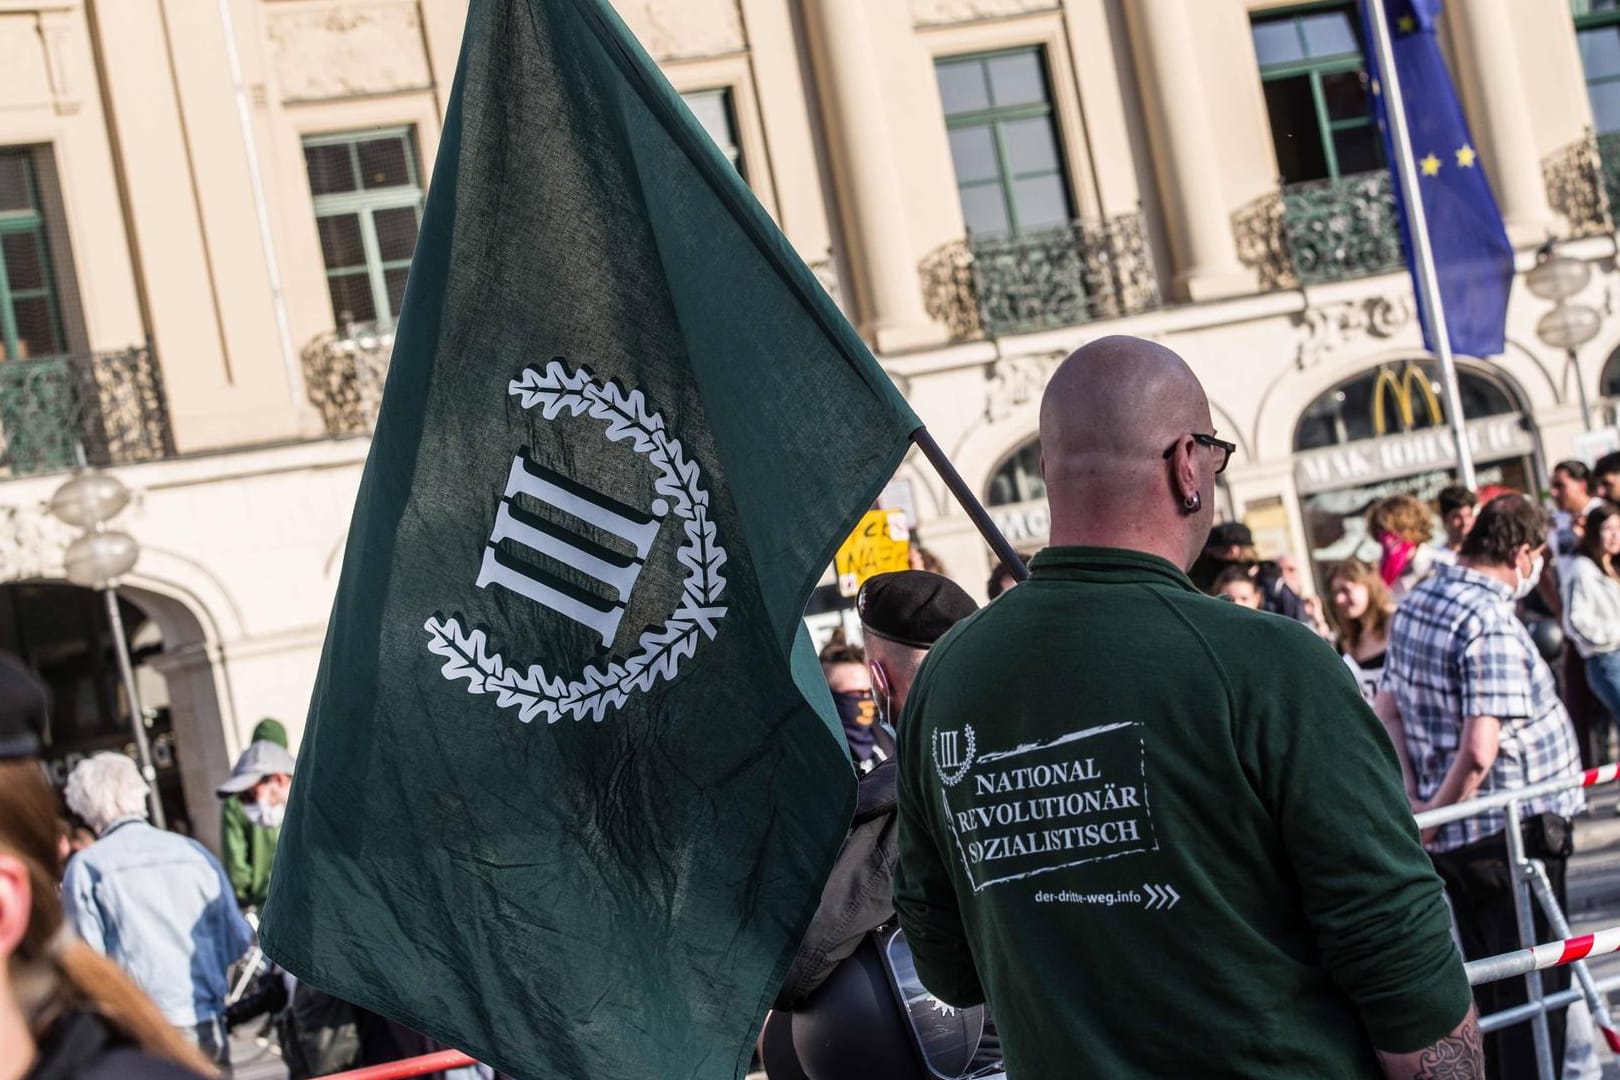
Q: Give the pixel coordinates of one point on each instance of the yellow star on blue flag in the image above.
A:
(1473, 260)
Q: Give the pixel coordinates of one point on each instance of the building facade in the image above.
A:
(207, 212)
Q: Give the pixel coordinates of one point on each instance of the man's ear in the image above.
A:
(16, 903)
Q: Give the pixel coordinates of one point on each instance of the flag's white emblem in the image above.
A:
(678, 493)
(953, 754)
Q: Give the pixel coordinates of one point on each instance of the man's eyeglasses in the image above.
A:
(1213, 443)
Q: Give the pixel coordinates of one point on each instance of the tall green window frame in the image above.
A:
(1597, 30)
(1010, 172)
(30, 310)
(367, 190)
(1314, 74)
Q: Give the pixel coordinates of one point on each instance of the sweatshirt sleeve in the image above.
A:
(1584, 611)
(924, 895)
(1325, 769)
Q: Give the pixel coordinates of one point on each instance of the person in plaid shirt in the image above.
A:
(1472, 708)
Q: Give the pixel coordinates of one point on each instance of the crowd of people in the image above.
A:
(127, 948)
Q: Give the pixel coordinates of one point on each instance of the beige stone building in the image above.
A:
(207, 209)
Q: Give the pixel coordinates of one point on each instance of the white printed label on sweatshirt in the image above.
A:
(1045, 806)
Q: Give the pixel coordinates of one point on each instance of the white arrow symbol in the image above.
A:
(1160, 898)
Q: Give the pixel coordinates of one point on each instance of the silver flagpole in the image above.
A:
(1428, 283)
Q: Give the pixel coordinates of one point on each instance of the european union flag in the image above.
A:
(1473, 259)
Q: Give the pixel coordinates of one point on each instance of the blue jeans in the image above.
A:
(1603, 676)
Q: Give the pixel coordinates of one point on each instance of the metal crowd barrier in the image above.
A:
(1530, 883)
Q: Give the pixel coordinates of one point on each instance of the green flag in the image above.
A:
(571, 781)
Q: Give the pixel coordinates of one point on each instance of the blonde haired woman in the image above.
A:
(1360, 608)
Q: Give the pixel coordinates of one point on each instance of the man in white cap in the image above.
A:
(261, 780)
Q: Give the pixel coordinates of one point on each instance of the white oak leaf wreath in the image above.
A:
(608, 685)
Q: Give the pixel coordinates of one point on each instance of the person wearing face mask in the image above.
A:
(156, 903)
(260, 782)
(247, 849)
(1472, 707)
(902, 615)
(844, 667)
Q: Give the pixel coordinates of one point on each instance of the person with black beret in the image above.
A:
(902, 615)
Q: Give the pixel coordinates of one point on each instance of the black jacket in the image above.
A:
(80, 1046)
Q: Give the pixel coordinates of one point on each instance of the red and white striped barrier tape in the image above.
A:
(1601, 775)
(1539, 957)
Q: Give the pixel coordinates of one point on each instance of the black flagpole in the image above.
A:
(981, 520)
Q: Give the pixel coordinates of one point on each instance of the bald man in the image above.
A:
(1160, 834)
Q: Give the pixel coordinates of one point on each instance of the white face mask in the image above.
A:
(1527, 585)
(267, 817)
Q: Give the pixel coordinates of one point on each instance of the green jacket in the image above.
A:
(1164, 836)
(248, 849)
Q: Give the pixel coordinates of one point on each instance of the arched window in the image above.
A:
(1609, 383)
(1393, 399)
(1018, 478)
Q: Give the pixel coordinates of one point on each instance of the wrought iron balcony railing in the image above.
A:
(1608, 147)
(59, 412)
(1343, 228)
(1580, 181)
(344, 372)
(995, 286)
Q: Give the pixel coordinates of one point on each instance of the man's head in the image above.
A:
(1606, 477)
(903, 614)
(1571, 486)
(1288, 569)
(1001, 579)
(1231, 541)
(1507, 540)
(1128, 451)
(1458, 506)
(105, 787)
(262, 780)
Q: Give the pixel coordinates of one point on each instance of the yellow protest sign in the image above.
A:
(881, 542)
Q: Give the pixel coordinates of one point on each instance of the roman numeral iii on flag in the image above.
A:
(571, 780)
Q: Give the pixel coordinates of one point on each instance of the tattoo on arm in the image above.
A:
(1455, 1057)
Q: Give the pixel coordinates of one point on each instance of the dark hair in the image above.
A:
(1577, 471)
(1454, 498)
(1239, 572)
(1591, 544)
(1607, 464)
(1505, 524)
(843, 654)
(1001, 579)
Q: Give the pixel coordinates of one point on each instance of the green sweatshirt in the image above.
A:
(1164, 835)
(249, 849)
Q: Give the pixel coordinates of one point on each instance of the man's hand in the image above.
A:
(1458, 1056)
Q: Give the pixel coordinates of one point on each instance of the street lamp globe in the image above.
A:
(1569, 326)
(89, 499)
(97, 559)
(1557, 277)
